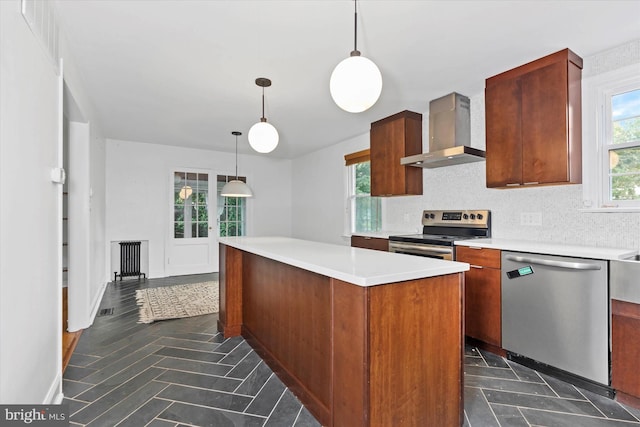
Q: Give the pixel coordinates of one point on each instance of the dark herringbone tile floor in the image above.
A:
(183, 373)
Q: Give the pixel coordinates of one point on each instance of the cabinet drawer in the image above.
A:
(478, 256)
(366, 242)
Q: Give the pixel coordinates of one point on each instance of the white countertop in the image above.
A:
(363, 267)
(560, 249)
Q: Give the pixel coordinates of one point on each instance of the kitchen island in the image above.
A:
(362, 337)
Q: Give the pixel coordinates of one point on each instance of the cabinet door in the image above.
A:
(387, 147)
(625, 347)
(391, 139)
(381, 140)
(545, 155)
(483, 318)
(503, 133)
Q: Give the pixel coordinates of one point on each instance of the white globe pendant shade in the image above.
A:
(355, 85)
(236, 188)
(263, 137)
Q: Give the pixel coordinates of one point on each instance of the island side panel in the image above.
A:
(287, 319)
(350, 359)
(230, 291)
(416, 352)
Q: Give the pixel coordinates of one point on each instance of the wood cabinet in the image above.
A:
(391, 139)
(533, 123)
(625, 351)
(367, 242)
(483, 295)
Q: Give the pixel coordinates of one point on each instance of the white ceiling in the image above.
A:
(183, 72)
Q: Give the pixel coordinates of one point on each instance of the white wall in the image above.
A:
(30, 274)
(87, 193)
(463, 187)
(318, 185)
(138, 193)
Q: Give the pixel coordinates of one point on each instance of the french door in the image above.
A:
(192, 242)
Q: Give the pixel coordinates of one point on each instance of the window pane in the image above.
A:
(240, 211)
(203, 229)
(194, 230)
(232, 214)
(178, 213)
(232, 229)
(203, 214)
(363, 178)
(626, 117)
(368, 216)
(624, 171)
(193, 211)
(178, 230)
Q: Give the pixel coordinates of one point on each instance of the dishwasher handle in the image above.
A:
(553, 263)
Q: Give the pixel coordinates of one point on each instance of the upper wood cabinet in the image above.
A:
(391, 139)
(534, 123)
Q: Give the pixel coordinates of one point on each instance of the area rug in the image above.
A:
(172, 302)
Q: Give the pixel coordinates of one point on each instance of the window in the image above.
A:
(365, 212)
(232, 211)
(190, 205)
(623, 147)
(611, 141)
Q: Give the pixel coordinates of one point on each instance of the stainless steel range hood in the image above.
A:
(449, 135)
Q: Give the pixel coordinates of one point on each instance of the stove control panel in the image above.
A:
(465, 218)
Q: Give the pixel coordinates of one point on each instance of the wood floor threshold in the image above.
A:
(69, 343)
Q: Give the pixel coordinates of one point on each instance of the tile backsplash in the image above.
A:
(463, 187)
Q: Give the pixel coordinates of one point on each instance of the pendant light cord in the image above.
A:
(355, 26)
(355, 51)
(262, 119)
(236, 157)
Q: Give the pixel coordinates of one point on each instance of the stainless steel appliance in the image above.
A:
(449, 135)
(555, 316)
(625, 279)
(439, 230)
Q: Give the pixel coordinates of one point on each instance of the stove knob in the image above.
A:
(432, 216)
(480, 216)
(473, 216)
(465, 216)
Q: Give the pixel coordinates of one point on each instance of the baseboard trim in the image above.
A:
(54, 395)
(96, 304)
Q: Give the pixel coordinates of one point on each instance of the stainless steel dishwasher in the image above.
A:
(555, 312)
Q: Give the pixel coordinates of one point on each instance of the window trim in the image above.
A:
(349, 221)
(597, 92)
(243, 203)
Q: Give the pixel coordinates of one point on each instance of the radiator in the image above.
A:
(129, 261)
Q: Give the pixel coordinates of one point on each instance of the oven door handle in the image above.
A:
(421, 248)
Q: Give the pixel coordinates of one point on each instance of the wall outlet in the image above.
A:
(531, 218)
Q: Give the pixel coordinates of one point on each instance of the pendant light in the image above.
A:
(236, 188)
(263, 136)
(356, 82)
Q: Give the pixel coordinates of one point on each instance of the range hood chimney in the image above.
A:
(449, 135)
